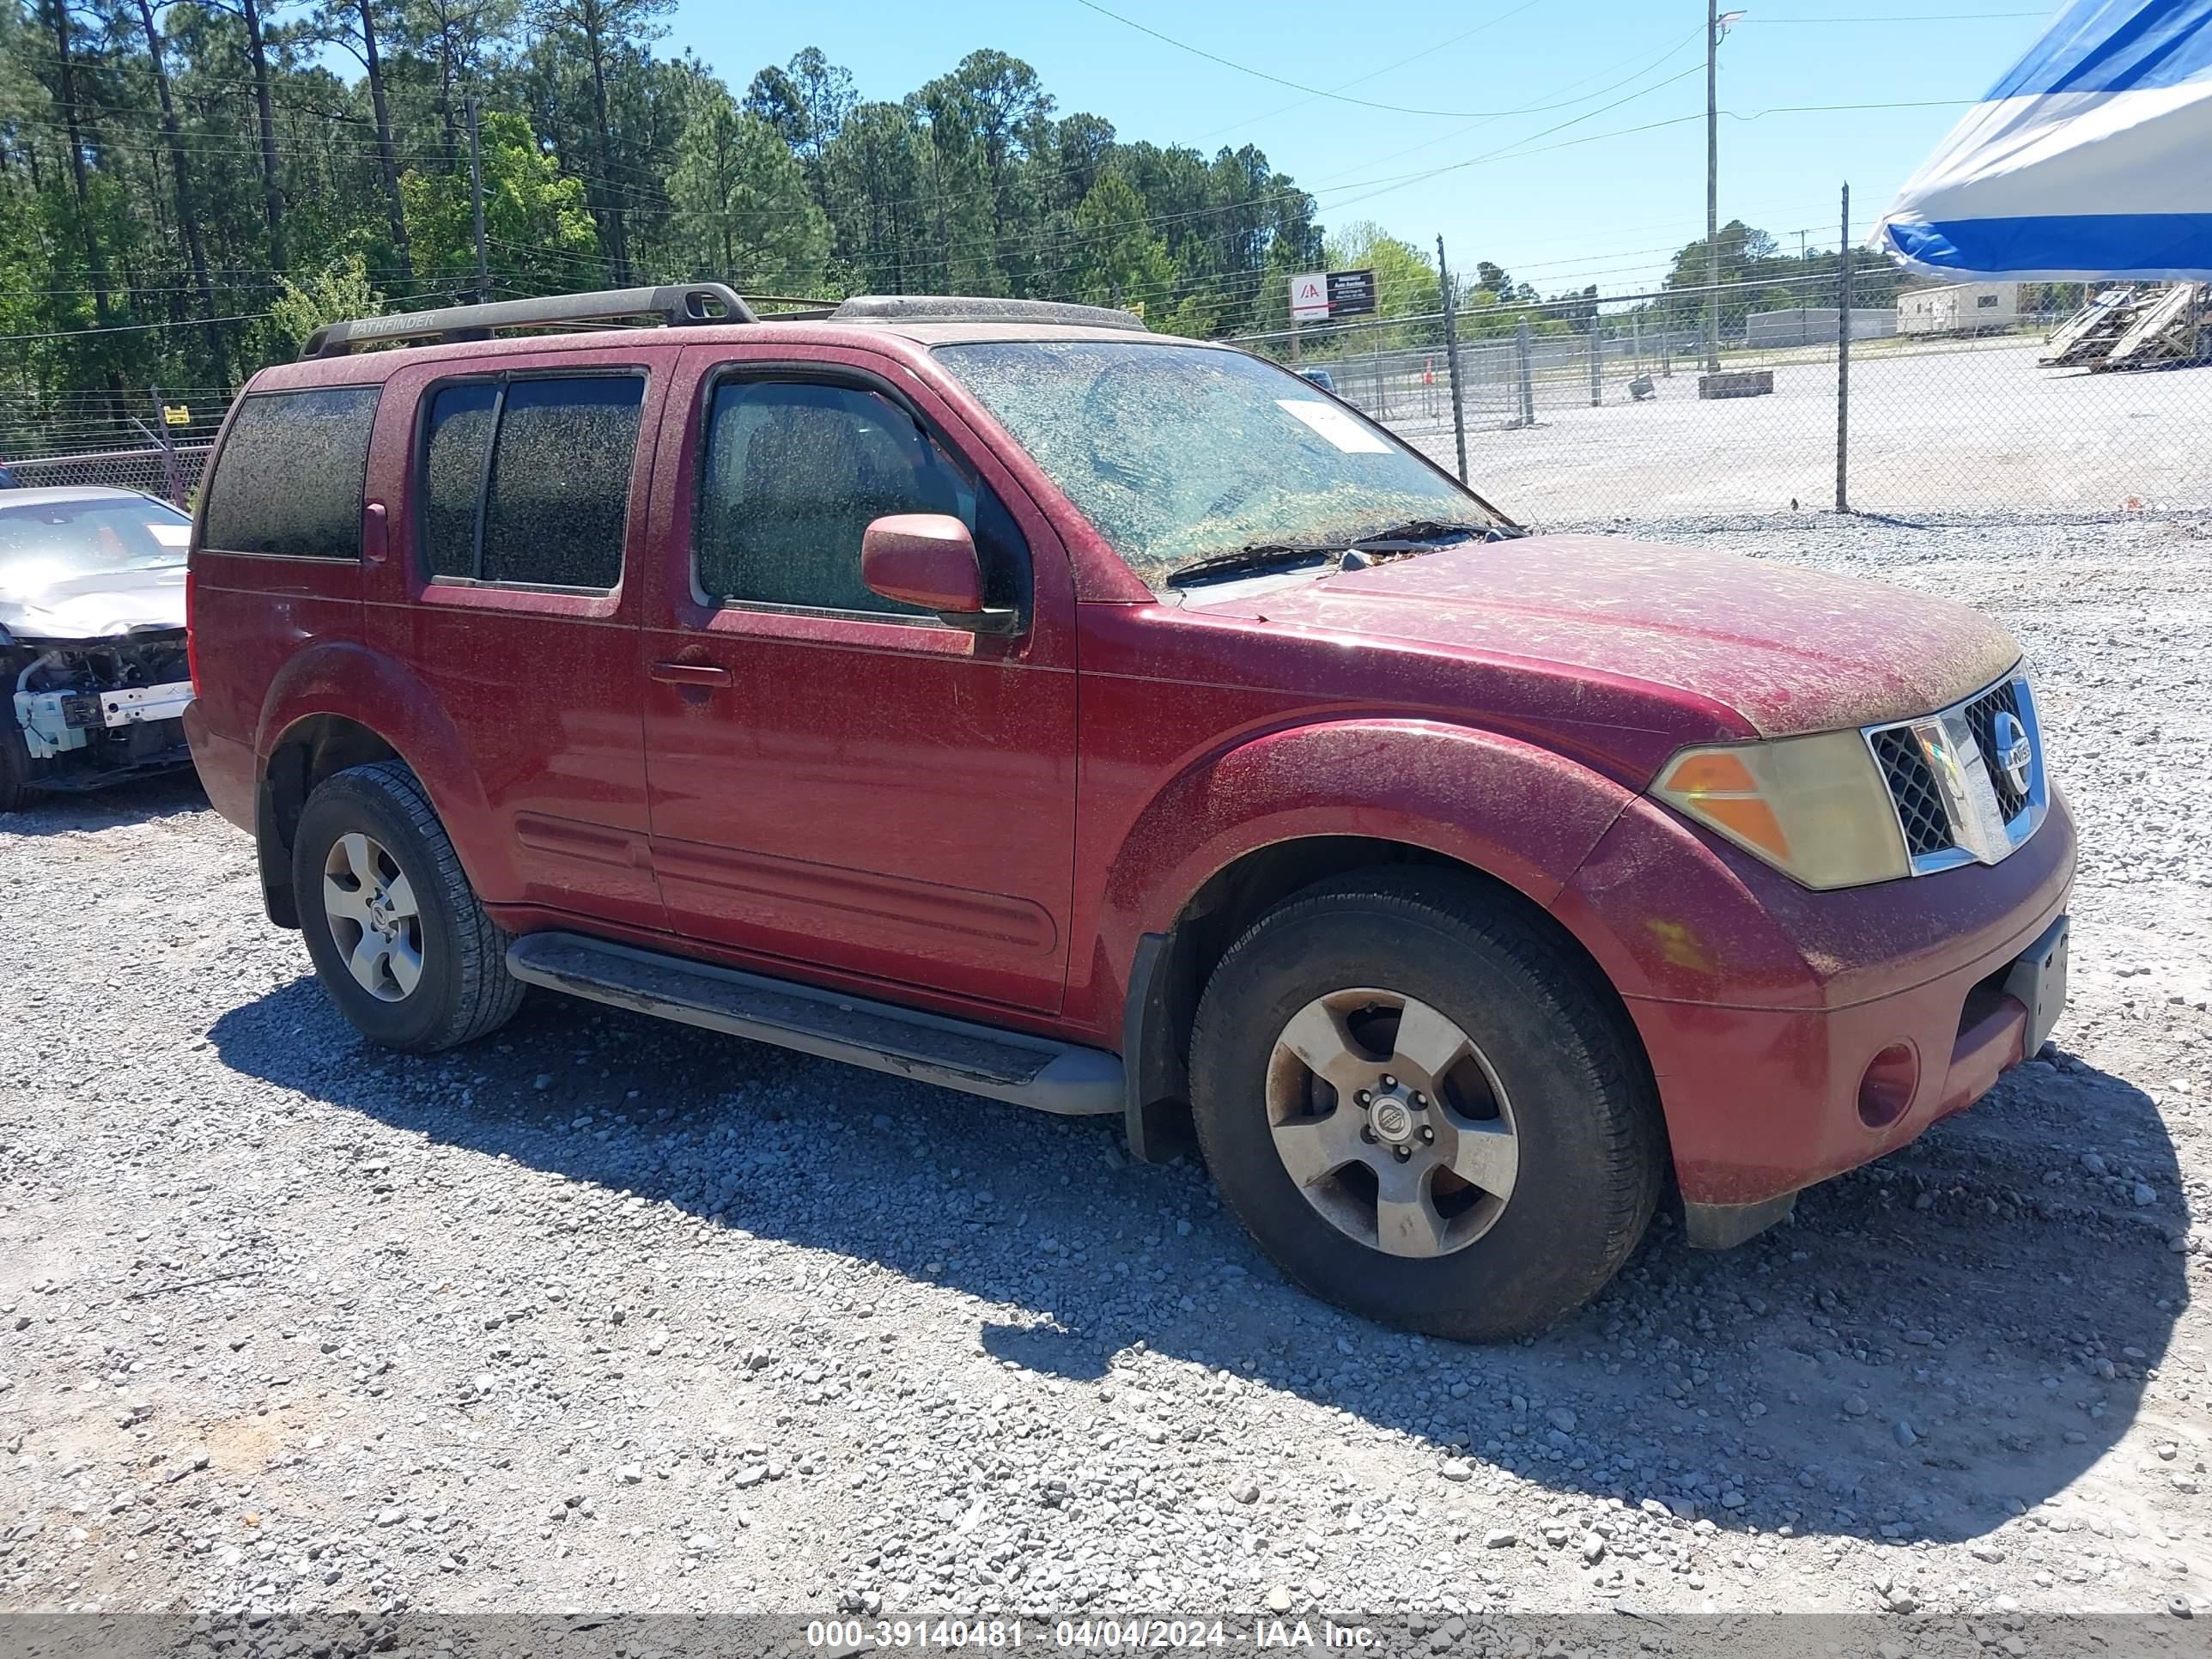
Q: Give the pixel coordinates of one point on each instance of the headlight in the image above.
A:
(1815, 807)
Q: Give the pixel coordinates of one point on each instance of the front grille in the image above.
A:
(1912, 787)
(1982, 716)
(1950, 809)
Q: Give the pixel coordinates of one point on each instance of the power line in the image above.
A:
(1758, 21)
(136, 328)
(1362, 80)
(1430, 143)
(1817, 109)
(1295, 86)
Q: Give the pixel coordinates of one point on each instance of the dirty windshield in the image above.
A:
(1178, 453)
(45, 543)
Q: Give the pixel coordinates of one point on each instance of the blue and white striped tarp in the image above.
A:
(2090, 159)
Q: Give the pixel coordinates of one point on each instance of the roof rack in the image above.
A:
(963, 309)
(676, 305)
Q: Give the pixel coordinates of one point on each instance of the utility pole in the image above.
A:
(1843, 360)
(476, 199)
(1712, 186)
(1716, 24)
(1803, 327)
(1451, 355)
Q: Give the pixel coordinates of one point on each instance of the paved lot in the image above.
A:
(1966, 429)
(610, 1314)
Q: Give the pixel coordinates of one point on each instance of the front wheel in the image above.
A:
(398, 937)
(1421, 1110)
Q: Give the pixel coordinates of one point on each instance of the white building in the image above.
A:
(1815, 326)
(1958, 309)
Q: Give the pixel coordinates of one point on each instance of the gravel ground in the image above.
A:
(605, 1313)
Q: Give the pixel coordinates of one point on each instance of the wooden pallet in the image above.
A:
(2168, 329)
(2136, 327)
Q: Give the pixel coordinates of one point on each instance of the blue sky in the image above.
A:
(1562, 213)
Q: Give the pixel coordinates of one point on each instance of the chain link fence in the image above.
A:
(1604, 416)
(1611, 417)
(147, 439)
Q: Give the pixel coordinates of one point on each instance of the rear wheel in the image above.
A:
(398, 937)
(1421, 1108)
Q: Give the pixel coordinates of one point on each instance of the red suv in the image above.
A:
(997, 694)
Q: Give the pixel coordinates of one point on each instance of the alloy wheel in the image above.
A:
(1391, 1122)
(372, 916)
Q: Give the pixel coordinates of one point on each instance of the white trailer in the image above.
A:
(1958, 309)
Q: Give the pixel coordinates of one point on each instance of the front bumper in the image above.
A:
(1761, 1006)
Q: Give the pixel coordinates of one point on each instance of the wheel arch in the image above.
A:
(343, 706)
(1239, 831)
(1171, 966)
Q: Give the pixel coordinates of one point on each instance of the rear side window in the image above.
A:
(292, 472)
(527, 480)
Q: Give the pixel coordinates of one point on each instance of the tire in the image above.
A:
(1546, 1066)
(14, 764)
(376, 819)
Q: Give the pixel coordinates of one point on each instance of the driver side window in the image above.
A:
(794, 473)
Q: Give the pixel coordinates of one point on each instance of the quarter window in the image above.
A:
(527, 480)
(292, 472)
(794, 474)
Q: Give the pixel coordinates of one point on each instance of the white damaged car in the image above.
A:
(93, 659)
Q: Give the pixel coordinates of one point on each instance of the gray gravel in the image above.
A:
(605, 1313)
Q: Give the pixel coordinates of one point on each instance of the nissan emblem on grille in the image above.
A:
(2014, 753)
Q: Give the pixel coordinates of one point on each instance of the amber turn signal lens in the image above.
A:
(1815, 807)
(1721, 789)
(1711, 771)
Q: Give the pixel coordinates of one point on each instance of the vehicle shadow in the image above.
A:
(1934, 1344)
(56, 812)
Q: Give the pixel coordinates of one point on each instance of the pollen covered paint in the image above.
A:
(1789, 650)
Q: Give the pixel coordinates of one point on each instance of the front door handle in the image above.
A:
(690, 673)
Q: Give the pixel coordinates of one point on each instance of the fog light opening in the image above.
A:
(1887, 1088)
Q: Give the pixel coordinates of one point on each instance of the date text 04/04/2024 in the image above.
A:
(852, 1636)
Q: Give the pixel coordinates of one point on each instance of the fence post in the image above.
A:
(1597, 360)
(1528, 380)
(1844, 361)
(172, 482)
(1451, 356)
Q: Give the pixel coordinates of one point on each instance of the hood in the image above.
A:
(97, 607)
(1788, 650)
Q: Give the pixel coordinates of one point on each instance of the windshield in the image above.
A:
(1182, 453)
(45, 543)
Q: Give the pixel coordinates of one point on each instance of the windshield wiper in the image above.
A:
(1255, 555)
(1418, 532)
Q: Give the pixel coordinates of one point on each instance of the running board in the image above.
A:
(978, 1060)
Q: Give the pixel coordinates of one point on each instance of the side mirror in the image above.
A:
(928, 559)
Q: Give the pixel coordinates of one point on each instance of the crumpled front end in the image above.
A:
(94, 712)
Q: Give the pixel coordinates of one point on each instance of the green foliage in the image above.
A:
(604, 162)
(1118, 260)
(533, 215)
(1756, 275)
(1405, 277)
(744, 214)
(339, 291)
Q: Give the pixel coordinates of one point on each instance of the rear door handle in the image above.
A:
(690, 673)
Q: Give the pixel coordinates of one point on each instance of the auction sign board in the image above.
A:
(1318, 295)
